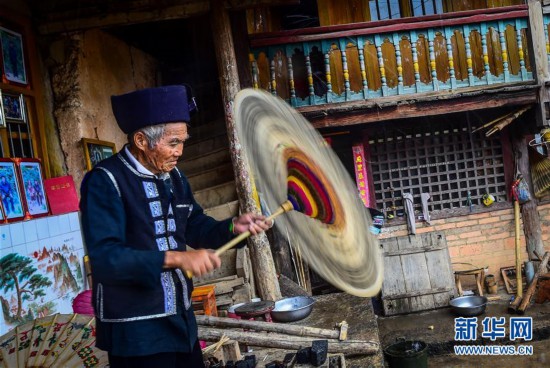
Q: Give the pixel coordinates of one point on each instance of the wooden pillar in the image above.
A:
(529, 213)
(264, 269)
(537, 48)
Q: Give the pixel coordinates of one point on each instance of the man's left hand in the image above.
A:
(251, 222)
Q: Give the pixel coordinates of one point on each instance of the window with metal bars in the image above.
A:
(456, 167)
(15, 134)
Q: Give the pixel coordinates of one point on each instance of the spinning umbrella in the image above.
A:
(296, 173)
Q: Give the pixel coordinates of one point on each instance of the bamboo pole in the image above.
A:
(203, 320)
(272, 340)
(519, 288)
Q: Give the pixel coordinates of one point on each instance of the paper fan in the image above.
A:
(291, 163)
(60, 340)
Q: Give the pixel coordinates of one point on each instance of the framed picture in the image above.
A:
(13, 107)
(32, 183)
(10, 191)
(13, 58)
(96, 151)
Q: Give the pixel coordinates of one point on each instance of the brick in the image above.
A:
(478, 216)
(478, 239)
(469, 250)
(497, 236)
(467, 223)
(445, 226)
(454, 252)
(488, 220)
(423, 230)
(469, 234)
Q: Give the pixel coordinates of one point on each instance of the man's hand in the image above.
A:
(251, 222)
(197, 262)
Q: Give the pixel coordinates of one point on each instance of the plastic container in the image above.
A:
(407, 354)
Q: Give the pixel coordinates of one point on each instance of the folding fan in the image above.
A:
(60, 340)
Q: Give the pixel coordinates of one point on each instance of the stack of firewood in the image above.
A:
(234, 281)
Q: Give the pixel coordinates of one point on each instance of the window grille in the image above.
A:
(455, 166)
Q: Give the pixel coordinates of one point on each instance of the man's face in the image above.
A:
(166, 153)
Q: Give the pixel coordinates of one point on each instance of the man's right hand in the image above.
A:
(197, 262)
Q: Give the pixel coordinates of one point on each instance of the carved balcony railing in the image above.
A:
(392, 58)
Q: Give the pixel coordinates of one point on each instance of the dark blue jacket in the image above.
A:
(129, 219)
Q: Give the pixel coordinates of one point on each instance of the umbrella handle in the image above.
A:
(285, 207)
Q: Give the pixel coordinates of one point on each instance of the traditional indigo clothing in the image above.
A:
(130, 217)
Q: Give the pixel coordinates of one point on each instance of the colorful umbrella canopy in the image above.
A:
(290, 161)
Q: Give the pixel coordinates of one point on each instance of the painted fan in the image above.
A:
(298, 174)
(59, 340)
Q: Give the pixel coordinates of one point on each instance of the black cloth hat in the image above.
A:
(152, 106)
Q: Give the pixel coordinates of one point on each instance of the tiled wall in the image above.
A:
(50, 247)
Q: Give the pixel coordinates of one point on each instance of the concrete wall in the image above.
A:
(90, 67)
(485, 239)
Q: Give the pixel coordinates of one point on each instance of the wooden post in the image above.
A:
(264, 269)
(529, 214)
(537, 48)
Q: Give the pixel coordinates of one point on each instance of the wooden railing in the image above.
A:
(378, 59)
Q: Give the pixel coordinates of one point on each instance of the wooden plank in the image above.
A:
(227, 269)
(257, 39)
(393, 285)
(225, 287)
(421, 104)
(372, 28)
(439, 269)
(409, 243)
(414, 250)
(416, 277)
(81, 18)
(430, 291)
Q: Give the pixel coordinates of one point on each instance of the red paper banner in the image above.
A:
(361, 173)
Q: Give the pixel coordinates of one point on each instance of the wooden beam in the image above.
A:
(134, 12)
(398, 107)
(537, 48)
(124, 18)
(264, 268)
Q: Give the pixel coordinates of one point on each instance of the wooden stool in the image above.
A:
(479, 275)
(206, 295)
(256, 309)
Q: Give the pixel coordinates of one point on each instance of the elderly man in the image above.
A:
(138, 215)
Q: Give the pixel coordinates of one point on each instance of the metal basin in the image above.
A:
(292, 309)
(471, 305)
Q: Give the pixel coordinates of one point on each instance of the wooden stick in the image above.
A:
(285, 207)
(519, 286)
(540, 258)
(203, 320)
(533, 285)
(272, 340)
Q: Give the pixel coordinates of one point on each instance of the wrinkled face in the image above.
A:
(164, 156)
